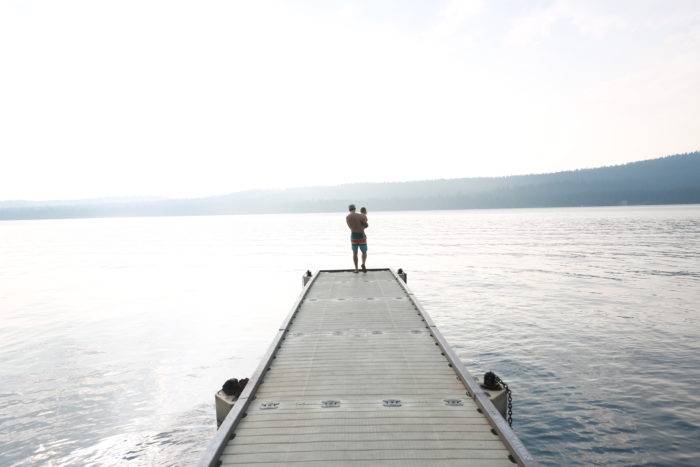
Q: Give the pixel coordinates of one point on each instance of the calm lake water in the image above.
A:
(115, 333)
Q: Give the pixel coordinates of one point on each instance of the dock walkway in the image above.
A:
(358, 375)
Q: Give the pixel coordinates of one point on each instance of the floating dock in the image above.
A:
(358, 375)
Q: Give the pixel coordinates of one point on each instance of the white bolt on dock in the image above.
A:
(358, 375)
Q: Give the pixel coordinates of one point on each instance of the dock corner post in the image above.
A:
(223, 403)
(227, 396)
(402, 275)
(305, 278)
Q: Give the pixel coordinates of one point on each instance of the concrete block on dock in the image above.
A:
(224, 403)
(306, 278)
(402, 274)
(499, 397)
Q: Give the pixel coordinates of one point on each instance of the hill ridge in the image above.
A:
(666, 180)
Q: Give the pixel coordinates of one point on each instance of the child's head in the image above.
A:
(363, 210)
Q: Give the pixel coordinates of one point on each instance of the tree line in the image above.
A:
(667, 180)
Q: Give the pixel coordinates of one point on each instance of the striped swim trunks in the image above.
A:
(358, 240)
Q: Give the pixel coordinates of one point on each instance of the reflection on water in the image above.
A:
(116, 332)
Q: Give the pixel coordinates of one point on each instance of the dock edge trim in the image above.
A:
(210, 457)
(516, 448)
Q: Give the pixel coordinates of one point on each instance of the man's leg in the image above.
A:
(364, 257)
(354, 256)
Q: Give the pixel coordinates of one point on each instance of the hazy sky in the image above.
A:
(178, 98)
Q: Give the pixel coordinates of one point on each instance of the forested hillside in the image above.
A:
(667, 180)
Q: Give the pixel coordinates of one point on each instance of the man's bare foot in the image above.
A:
(364, 269)
(356, 271)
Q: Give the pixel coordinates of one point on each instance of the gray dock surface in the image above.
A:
(357, 376)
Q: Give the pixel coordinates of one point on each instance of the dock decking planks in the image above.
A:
(361, 340)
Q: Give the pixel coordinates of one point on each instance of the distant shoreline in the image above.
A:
(671, 180)
(340, 210)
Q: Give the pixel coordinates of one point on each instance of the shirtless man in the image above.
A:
(357, 223)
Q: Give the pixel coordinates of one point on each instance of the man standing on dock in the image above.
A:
(357, 223)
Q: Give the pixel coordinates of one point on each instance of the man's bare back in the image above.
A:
(356, 221)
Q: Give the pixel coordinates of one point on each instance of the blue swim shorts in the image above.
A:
(358, 240)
